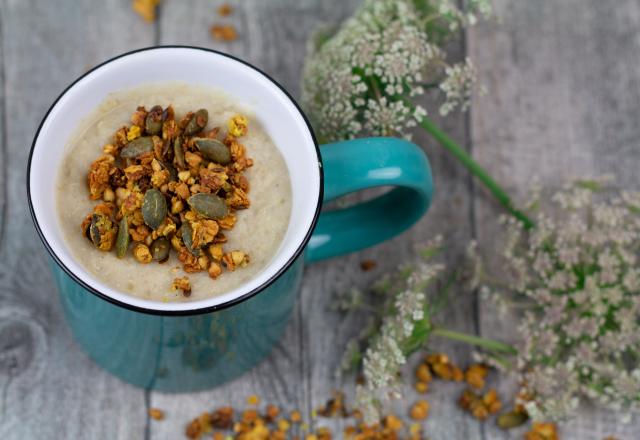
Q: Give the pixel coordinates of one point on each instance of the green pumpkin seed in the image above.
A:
(94, 229)
(160, 249)
(178, 153)
(153, 122)
(154, 208)
(208, 205)
(197, 122)
(187, 239)
(213, 150)
(100, 225)
(137, 147)
(511, 419)
(122, 240)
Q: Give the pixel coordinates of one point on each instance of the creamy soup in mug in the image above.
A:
(258, 230)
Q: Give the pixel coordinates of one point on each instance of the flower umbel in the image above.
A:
(388, 347)
(577, 271)
(363, 79)
(403, 308)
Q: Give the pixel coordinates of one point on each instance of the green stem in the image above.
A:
(489, 344)
(475, 168)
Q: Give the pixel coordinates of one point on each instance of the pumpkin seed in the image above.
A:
(213, 150)
(100, 226)
(208, 205)
(122, 241)
(178, 153)
(94, 230)
(187, 239)
(512, 419)
(160, 249)
(153, 122)
(197, 122)
(154, 208)
(137, 147)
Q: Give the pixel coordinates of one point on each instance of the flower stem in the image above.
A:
(475, 168)
(489, 344)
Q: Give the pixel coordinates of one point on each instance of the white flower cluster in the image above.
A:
(458, 86)
(579, 271)
(468, 17)
(363, 79)
(386, 354)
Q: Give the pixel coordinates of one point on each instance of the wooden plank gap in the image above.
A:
(3, 134)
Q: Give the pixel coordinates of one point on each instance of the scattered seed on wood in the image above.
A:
(223, 32)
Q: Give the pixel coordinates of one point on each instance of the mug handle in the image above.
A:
(357, 164)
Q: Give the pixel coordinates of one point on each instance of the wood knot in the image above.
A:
(16, 347)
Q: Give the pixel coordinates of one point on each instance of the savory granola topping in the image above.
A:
(168, 185)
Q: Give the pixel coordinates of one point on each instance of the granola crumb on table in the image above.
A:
(145, 9)
(170, 185)
(225, 9)
(274, 423)
(223, 32)
(156, 414)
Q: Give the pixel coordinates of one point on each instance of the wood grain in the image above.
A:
(562, 80)
(48, 387)
(3, 136)
(564, 92)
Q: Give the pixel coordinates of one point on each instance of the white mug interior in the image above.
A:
(273, 107)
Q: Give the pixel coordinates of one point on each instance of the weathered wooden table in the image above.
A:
(564, 98)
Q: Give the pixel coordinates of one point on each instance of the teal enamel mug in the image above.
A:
(197, 344)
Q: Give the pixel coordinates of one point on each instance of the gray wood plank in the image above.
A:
(3, 137)
(327, 332)
(48, 387)
(271, 35)
(563, 91)
(300, 373)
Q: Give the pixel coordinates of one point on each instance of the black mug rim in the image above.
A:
(298, 252)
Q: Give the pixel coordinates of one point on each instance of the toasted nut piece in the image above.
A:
(141, 253)
(98, 176)
(155, 165)
(215, 250)
(419, 410)
(392, 422)
(176, 205)
(295, 416)
(203, 262)
(108, 195)
(184, 175)
(182, 190)
(422, 387)
(272, 412)
(182, 284)
(423, 374)
(110, 149)
(194, 160)
(223, 32)
(176, 242)
(156, 414)
(133, 133)
(214, 270)
(237, 125)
